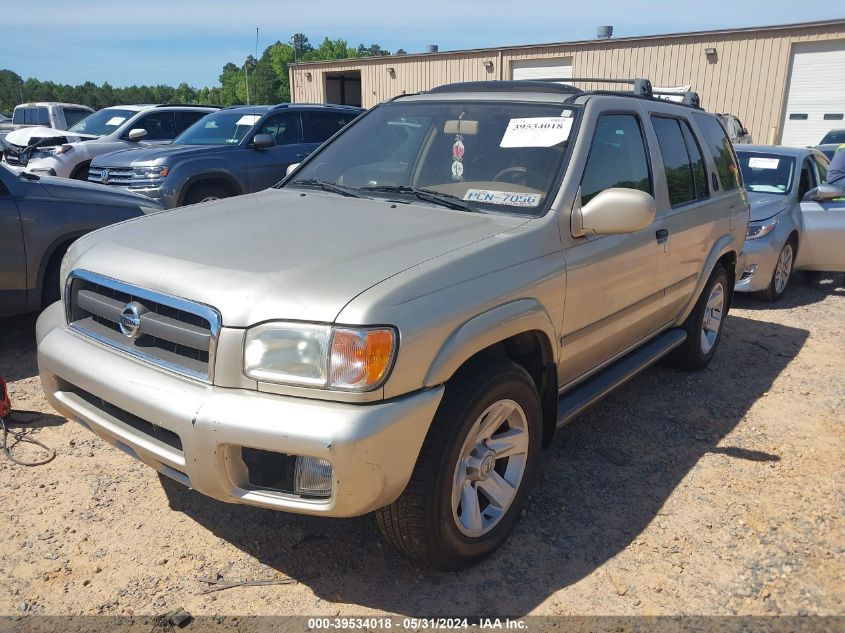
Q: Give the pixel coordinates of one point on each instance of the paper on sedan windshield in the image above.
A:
(544, 131)
(758, 162)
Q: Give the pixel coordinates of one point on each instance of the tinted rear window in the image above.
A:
(320, 126)
(720, 150)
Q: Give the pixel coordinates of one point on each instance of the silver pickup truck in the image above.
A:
(401, 324)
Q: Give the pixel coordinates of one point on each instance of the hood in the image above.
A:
(149, 155)
(767, 205)
(29, 135)
(69, 190)
(280, 254)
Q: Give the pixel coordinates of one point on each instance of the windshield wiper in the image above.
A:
(327, 186)
(428, 195)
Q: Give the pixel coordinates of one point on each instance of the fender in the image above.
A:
(486, 329)
(725, 244)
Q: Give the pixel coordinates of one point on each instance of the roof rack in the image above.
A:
(641, 87)
(185, 105)
(688, 98)
(520, 85)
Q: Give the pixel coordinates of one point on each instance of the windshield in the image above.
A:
(766, 173)
(834, 136)
(103, 122)
(221, 128)
(481, 155)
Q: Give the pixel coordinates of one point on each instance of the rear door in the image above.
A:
(12, 255)
(822, 245)
(266, 167)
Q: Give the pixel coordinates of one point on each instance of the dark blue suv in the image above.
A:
(230, 152)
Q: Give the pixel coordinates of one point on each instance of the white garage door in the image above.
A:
(816, 101)
(560, 67)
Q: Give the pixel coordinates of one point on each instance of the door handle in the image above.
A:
(662, 235)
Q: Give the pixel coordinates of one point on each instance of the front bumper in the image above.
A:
(761, 258)
(168, 196)
(372, 448)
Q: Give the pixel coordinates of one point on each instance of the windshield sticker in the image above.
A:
(758, 162)
(115, 121)
(537, 132)
(248, 119)
(509, 198)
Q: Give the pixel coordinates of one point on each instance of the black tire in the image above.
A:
(691, 356)
(771, 293)
(81, 171)
(421, 522)
(205, 193)
(50, 292)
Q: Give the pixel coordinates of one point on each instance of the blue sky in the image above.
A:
(157, 41)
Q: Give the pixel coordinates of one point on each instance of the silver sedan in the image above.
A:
(797, 220)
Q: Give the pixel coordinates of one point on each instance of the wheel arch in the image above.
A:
(520, 331)
(55, 251)
(724, 252)
(216, 178)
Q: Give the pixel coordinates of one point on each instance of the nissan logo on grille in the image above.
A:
(130, 320)
(104, 176)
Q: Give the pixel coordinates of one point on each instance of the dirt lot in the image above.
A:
(712, 493)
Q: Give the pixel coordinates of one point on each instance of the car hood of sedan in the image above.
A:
(29, 135)
(281, 254)
(767, 205)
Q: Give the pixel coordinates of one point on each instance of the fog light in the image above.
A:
(312, 477)
(749, 270)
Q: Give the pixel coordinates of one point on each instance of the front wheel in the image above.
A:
(780, 276)
(474, 471)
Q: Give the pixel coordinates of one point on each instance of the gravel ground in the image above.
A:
(719, 492)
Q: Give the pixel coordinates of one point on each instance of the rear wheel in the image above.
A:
(205, 193)
(780, 276)
(705, 324)
(474, 471)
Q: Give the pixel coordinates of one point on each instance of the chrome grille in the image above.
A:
(167, 331)
(119, 176)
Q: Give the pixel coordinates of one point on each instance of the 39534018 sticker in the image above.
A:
(544, 131)
(509, 198)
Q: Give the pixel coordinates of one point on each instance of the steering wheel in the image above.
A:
(511, 171)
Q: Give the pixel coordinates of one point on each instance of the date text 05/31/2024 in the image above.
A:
(417, 624)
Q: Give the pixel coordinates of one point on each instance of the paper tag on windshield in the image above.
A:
(248, 119)
(115, 121)
(537, 132)
(509, 198)
(758, 162)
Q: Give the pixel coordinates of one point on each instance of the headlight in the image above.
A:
(310, 355)
(757, 230)
(151, 172)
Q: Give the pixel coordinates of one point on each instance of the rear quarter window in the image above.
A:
(721, 151)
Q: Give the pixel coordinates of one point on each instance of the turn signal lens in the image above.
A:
(360, 358)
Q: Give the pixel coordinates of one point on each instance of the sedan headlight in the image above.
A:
(757, 230)
(322, 356)
(159, 171)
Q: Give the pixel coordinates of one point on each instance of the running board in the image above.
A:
(586, 394)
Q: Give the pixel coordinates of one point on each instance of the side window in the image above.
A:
(160, 126)
(676, 162)
(320, 126)
(699, 171)
(618, 157)
(19, 116)
(185, 119)
(283, 127)
(74, 116)
(42, 116)
(808, 179)
(720, 150)
(821, 167)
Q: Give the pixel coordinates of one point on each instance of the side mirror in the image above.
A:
(291, 169)
(262, 141)
(823, 193)
(137, 134)
(614, 211)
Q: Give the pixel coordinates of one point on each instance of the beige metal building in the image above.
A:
(785, 83)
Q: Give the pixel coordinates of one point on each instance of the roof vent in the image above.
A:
(432, 48)
(604, 32)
